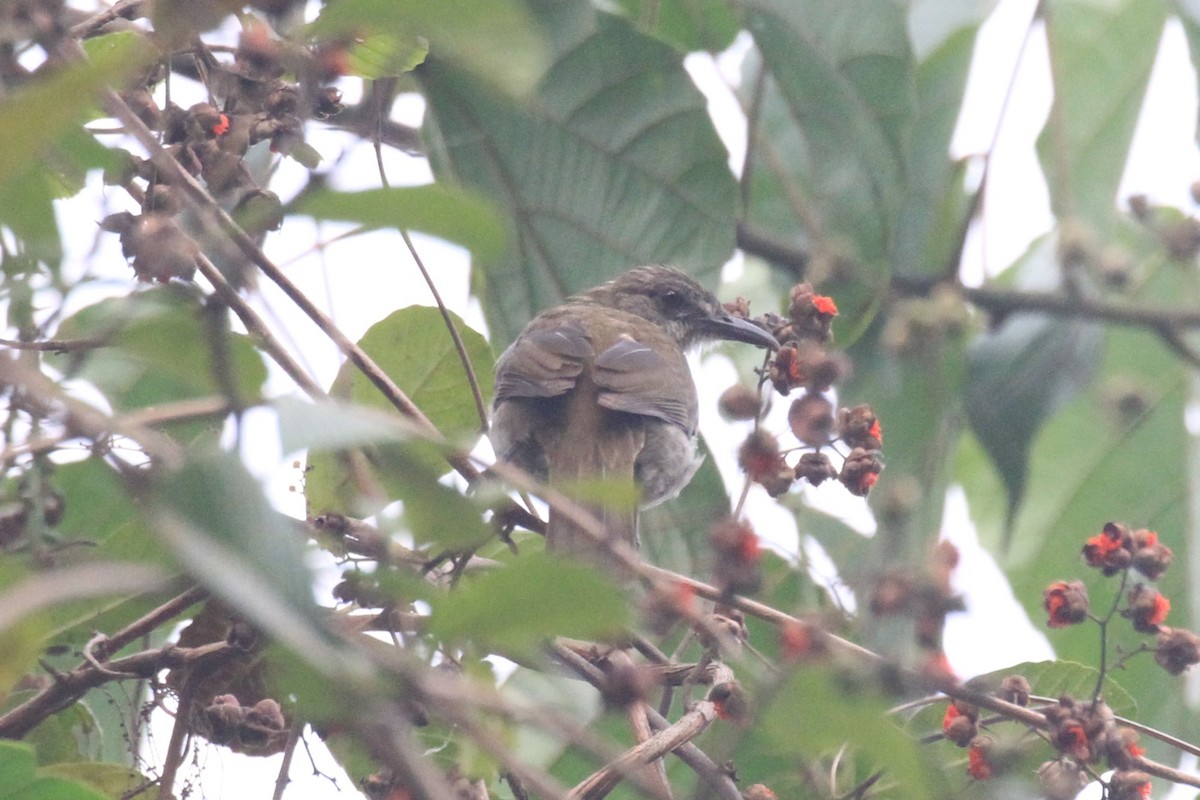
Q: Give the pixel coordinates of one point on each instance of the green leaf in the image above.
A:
(532, 599)
(816, 712)
(496, 39)
(931, 222)
(386, 55)
(112, 780)
(834, 121)
(687, 25)
(42, 112)
(158, 349)
(612, 164)
(1100, 60)
(19, 779)
(414, 348)
(1025, 371)
(214, 517)
(330, 425)
(443, 211)
(1118, 451)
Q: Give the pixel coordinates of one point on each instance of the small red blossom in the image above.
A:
(759, 456)
(1066, 603)
(877, 431)
(222, 126)
(796, 640)
(951, 714)
(1129, 785)
(1111, 550)
(683, 597)
(937, 666)
(825, 305)
(1147, 608)
(977, 763)
(1072, 740)
(1150, 557)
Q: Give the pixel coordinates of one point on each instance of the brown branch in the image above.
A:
(54, 345)
(689, 726)
(69, 687)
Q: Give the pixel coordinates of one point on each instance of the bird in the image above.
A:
(599, 388)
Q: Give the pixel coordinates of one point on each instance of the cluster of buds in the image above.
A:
(1083, 735)
(210, 141)
(802, 363)
(986, 758)
(1088, 734)
(258, 729)
(926, 597)
(1117, 550)
(737, 557)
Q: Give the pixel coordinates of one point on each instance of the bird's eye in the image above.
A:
(672, 300)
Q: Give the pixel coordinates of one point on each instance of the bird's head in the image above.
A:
(676, 302)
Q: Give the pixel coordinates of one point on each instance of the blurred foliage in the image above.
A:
(567, 141)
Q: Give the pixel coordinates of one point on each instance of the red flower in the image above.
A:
(951, 713)
(222, 126)
(1066, 603)
(977, 763)
(825, 305)
(1072, 740)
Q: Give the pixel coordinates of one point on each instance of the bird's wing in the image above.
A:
(543, 362)
(637, 379)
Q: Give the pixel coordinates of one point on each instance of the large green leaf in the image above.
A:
(497, 39)
(1118, 451)
(20, 779)
(442, 211)
(414, 348)
(213, 515)
(685, 24)
(1100, 60)
(158, 348)
(1025, 371)
(613, 163)
(838, 99)
(930, 222)
(529, 601)
(818, 712)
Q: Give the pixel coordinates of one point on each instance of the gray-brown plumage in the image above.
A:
(599, 388)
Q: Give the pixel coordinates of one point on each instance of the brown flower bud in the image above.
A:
(739, 402)
(811, 419)
(1066, 603)
(736, 552)
(1111, 550)
(815, 468)
(959, 727)
(1061, 780)
(1129, 785)
(1147, 608)
(1150, 556)
(1015, 689)
(759, 456)
(731, 702)
(860, 471)
(859, 427)
(1122, 749)
(1176, 649)
(811, 314)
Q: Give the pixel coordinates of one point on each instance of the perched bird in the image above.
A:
(599, 388)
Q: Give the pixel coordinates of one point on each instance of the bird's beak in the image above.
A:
(735, 329)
